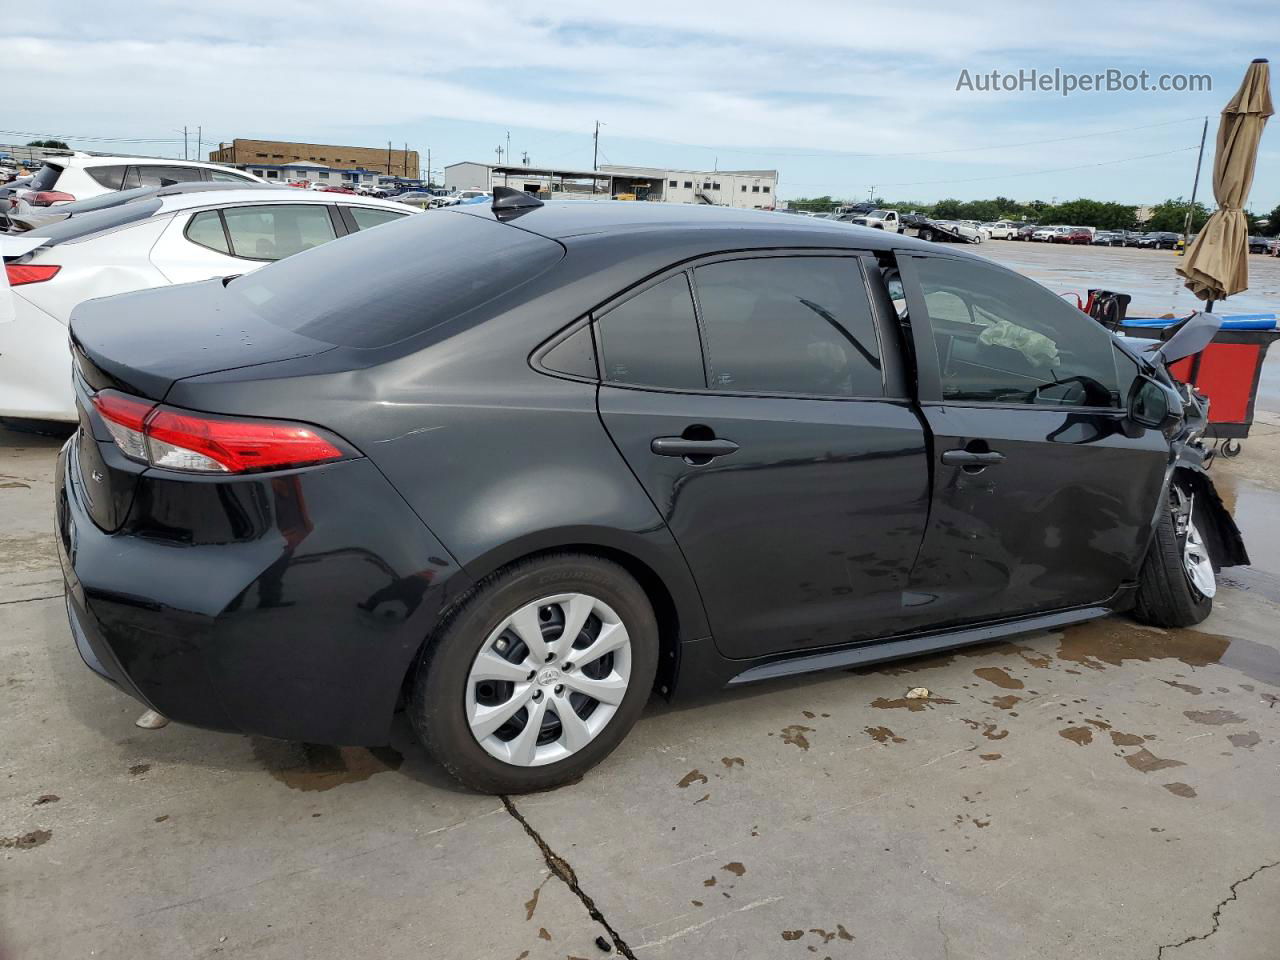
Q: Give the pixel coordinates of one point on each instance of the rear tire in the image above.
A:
(1166, 595)
(478, 663)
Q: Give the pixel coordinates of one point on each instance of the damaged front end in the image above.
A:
(1189, 488)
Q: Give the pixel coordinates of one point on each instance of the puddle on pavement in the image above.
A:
(310, 766)
(1114, 640)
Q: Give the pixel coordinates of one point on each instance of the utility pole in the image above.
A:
(595, 149)
(199, 142)
(498, 151)
(428, 168)
(406, 161)
(508, 146)
(525, 157)
(184, 141)
(388, 158)
(1195, 185)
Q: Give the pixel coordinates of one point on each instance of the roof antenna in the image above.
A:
(509, 202)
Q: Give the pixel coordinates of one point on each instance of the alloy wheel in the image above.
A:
(1196, 562)
(548, 679)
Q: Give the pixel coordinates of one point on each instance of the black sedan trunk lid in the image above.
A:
(143, 343)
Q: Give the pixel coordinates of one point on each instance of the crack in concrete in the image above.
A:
(1217, 913)
(56, 596)
(561, 867)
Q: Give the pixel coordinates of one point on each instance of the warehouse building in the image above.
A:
(750, 189)
(253, 155)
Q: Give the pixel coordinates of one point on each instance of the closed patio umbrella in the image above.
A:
(1217, 263)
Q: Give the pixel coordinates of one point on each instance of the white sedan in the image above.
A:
(149, 242)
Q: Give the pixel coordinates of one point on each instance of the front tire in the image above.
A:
(538, 675)
(1177, 582)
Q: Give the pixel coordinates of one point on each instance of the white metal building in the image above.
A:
(752, 189)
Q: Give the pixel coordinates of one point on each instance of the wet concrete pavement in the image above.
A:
(1109, 791)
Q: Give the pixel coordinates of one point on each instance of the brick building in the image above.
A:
(277, 153)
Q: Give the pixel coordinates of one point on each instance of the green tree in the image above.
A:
(814, 204)
(1272, 229)
(51, 144)
(1172, 215)
(949, 209)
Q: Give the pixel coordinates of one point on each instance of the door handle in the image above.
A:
(971, 458)
(680, 447)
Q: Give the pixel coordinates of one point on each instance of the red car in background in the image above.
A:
(336, 189)
(1074, 235)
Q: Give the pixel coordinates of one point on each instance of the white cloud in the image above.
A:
(804, 76)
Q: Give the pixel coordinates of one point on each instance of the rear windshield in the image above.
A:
(46, 178)
(95, 221)
(377, 287)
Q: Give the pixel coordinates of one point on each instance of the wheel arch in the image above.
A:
(659, 569)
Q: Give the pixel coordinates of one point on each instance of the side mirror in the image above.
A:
(1154, 405)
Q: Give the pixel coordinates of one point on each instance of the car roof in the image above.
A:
(97, 161)
(259, 195)
(564, 219)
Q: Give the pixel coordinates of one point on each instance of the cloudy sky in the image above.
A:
(839, 96)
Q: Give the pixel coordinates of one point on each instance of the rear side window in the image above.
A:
(205, 229)
(377, 287)
(797, 325)
(276, 232)
(652, 339)
(109, 177)
(163, 176)
(225, 176)
(46, 178)
(367, 217)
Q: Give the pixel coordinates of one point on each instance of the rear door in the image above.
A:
(761, 402)
(1040, 498)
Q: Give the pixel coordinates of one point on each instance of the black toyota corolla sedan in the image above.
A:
(514, 467)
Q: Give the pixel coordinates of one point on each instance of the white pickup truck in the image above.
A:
(879, 219)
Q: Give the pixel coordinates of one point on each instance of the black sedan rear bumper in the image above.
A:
(289, 605)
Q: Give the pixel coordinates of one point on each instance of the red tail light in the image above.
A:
(19, 273)
(203, 443)
(47, 198)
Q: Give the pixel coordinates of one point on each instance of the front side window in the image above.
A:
(278, 231)
(224, 176)
(1002, 338)
(796, 325)
(652, 339)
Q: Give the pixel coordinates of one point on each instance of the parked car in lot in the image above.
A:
(169, 237)
(39, 217)
(1076, 235)
(421, 199)
(1259, 244)
(1159, 240)
(502, 484)
(1047, 234)
(875, 218)
(1002, 230)
(1104, 238)
(80, 177)
(1026, 231)
(954, 231)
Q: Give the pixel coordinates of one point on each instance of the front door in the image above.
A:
(1040, 498)
(771, 429)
